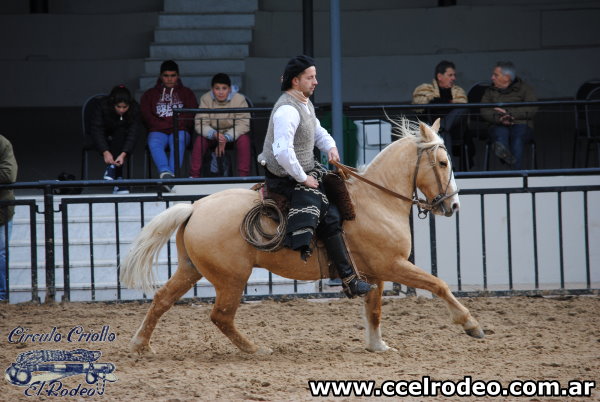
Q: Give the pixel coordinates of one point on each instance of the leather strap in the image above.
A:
(353, 172)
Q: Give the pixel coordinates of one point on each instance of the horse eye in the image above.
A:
(443, 163)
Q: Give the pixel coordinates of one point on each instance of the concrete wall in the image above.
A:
(387, 79)
(54, 60)
(388, 50)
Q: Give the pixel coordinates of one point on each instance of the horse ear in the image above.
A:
(436, 125)
(426, 133)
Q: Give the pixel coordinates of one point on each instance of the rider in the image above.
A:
(292, 171)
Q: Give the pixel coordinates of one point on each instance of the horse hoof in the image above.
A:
(381, 348)
(263, 350)
(141, 348)
(475, 332)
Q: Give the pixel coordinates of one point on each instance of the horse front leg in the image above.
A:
(373, 320)
(403, 271)
(184, 278)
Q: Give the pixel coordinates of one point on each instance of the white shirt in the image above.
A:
(285, 122)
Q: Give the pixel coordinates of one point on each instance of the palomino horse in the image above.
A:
(209, 243)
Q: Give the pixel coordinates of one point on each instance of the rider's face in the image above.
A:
(306, 82)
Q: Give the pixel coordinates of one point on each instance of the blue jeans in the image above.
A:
(514, 138)
(158, 143)
(3, 262)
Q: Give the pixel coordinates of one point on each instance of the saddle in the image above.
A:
(336, 192)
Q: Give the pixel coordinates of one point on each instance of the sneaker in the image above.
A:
(110, 172)
(167, 175)
(503, 153)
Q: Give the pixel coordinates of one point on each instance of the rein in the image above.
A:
(423, 206)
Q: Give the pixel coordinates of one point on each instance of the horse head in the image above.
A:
(433, 172)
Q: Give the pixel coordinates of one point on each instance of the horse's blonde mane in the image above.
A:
(404, 128)
(407, 130)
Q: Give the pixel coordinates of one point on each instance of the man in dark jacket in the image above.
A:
(512, 127)
(8, 174)
(115, 124)
(157, 111)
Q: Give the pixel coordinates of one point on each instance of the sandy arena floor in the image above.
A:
(527, 339)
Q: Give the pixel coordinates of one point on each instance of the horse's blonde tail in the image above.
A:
(136, 269)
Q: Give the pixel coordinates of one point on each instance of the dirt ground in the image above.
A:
(527, 339)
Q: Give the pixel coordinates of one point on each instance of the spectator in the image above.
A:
(115, 125)
(8, 174)
(157, 110)
(443, 90)
(216, 130)
(512, 127)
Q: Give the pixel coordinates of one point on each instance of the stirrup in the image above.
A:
(346, 286)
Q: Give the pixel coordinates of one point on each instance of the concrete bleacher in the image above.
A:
(205, 37)
(77, 49)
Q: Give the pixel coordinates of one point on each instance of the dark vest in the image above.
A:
(304, 138)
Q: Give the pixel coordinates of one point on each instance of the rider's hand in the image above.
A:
(333, 155)
(311, 182)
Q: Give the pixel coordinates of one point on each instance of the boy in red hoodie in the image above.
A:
(157, 106)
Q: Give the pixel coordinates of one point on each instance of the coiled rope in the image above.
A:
(252, 229)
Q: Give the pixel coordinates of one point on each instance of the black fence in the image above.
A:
(477, 227)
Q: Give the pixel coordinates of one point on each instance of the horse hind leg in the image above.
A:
(184, 278)
(229, 293)
(373, 320)
(411, 275)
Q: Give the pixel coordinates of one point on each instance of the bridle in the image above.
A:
(423, 206)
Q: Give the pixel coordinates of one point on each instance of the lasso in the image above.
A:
(252, 229)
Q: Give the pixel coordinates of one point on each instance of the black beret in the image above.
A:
(294, 68)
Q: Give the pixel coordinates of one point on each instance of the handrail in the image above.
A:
(350, 108)
(158, 183)
(403, 106)
(473, 105)
(129, 182)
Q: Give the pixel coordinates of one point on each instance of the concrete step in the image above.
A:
(184, 21)
(195, 67)
(197, 83)
(210, 6)
(188, 51)
(200, 36)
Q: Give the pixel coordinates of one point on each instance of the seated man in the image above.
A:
(443, 90)
(218, 129)
(115, 124)
(512, 127)
(157, 106)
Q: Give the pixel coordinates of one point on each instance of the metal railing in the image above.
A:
(568, 111)
(426, 252)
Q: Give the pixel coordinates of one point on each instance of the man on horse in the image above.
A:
(292, 171)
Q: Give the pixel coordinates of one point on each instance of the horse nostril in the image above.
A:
(455, 206)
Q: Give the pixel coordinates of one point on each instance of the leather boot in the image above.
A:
(338, 253)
